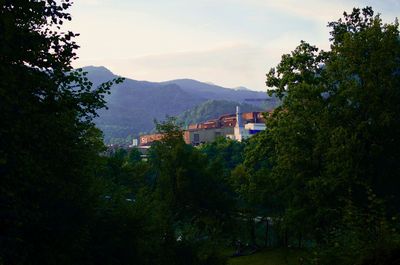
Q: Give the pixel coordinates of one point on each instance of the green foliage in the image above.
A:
(49, 146)
(126, 168)
(365, 236)
(186, 181)
(192, 193)
(227, 152)
(335, 139)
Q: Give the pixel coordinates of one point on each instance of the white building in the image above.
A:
(134, 143)
(243, 132)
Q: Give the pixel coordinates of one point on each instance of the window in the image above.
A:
(196, 137)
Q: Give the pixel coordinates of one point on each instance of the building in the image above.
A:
(148, 139)
(203, 135)
(135, 143)
(253, 123)
(254, 128)
(239, 131)
(237, 126)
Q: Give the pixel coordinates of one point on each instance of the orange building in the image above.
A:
(147, 139)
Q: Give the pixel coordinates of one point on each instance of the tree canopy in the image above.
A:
(48, 144)
(334, 141)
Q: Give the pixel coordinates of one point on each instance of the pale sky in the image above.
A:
(227, 42)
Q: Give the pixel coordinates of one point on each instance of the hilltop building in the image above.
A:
(148, 139)
(251, 126)
(202, 135)
(239, 131)
(135, 143)
(237, 126)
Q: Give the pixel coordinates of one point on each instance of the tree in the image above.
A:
(365, 65)
(48, 143)
(191, 196)
(184, 177)
(336, 136)
(225, 151)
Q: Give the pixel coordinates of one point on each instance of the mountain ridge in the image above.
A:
(134, 105)
(213, 109)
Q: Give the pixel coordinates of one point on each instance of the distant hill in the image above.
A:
(213, 109)
(211, 91)
(133, 105)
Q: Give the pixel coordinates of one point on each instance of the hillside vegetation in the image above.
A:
(212, 109)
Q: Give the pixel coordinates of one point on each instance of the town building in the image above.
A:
(239, 131)
(148, 139)
(251, 126)
(135, 143)
(202, 135)
(238, 126)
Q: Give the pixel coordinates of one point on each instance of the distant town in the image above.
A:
(236, 126)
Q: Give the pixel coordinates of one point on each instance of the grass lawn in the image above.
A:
(270, 257)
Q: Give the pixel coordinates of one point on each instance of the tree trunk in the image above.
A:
(285, 240)
(266, 232)
(300, 238)
(252, 231)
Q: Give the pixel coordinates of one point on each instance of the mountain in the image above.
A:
(133, 105)
(211, 91)
(213, 109)
(241, 88)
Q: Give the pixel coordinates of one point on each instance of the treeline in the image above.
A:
(180, 196)
(323, 177)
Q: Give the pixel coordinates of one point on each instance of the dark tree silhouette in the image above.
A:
(48, 143)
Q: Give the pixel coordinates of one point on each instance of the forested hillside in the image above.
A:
(213, 109)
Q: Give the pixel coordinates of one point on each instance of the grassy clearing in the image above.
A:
(270, 257)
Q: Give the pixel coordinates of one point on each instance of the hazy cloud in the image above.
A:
(227, 42)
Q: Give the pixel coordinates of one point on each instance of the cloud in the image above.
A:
(321, 11)
(325, 11)
(229, 65)
(227, 42)
(90, 2)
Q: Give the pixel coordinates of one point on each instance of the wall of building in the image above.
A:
(255, 126)
(200, 136)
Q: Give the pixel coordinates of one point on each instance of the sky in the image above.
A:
(230, 43)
